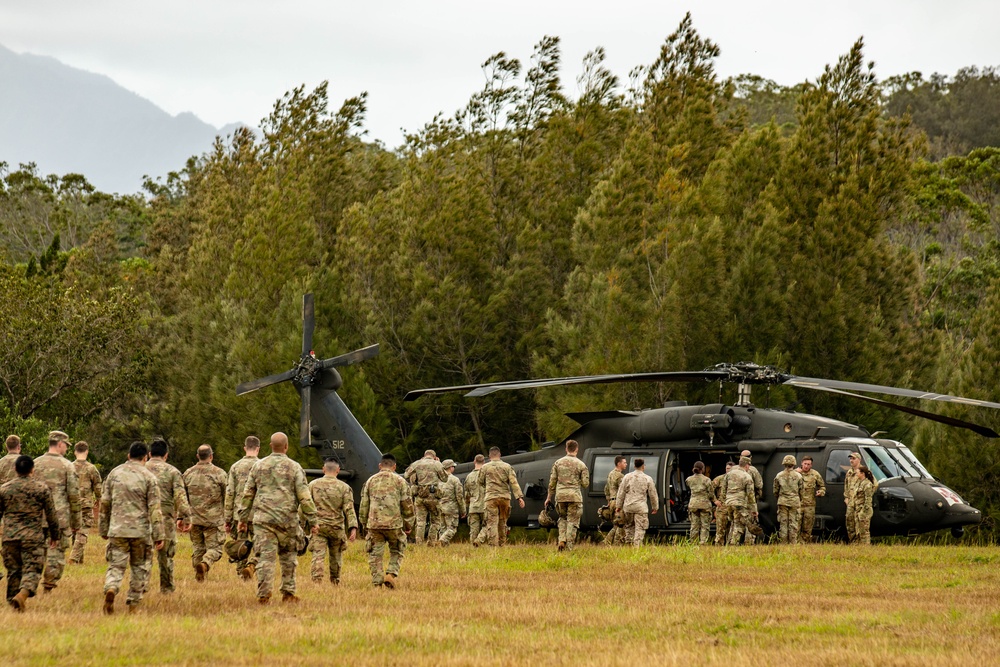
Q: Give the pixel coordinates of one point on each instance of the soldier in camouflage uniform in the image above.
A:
(387, 514)
(569, 475)
(55, 470)
(337, 522)
(475, 499)
(235, 484)
(758, 492)
(424, 476)
(861, 504)
(131, 521)
(27, 510)
(173, 506)
(451, 504)
(721, 511)
(700, 504)
(206, 489)
(788, 489)
(89, 481)
(275, 497)
(741, 502)
(638, 499)
(849, 479)
(13, 446)
(616, 536)
(498, 480)
(813, 487)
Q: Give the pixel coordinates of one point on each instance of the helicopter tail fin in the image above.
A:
(337, 434)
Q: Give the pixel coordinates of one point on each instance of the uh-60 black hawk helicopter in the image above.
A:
(671, 438)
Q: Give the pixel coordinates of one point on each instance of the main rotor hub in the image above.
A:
(307, 370)
(747, 373)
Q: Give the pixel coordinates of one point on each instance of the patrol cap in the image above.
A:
(854, 455)
(447, 463)
(744, 460)
(789, 460)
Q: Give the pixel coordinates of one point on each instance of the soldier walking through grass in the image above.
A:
(475, 499)
(27, 511)
(338, 524)
(700, 504)
(424, 476)
(89, 482)
(741, 502)
(451, 504)
(131, 521)
(498, 480)
(173, 507)
(387, 514)
(55, 470)
(13, 447)
(568, 477)
(236, 482)
(206, 489)
(275, 497)
(638, 499)
(616, 535)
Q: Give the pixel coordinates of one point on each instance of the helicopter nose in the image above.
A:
(955, 512)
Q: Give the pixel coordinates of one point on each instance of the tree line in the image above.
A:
(842, 228)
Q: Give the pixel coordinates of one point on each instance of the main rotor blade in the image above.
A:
(351, 358)
(950, 421)
(305, 416)
(475, 390)
(308, 323)
(254, 385)
(818, 383)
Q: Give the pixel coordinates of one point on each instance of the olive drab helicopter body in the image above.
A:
(670, 438)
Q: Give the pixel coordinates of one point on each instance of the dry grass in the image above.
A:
(815, 605)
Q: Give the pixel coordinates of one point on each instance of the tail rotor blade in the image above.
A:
(305, 417)
(254, 385)
(308, 323)
(352, 358)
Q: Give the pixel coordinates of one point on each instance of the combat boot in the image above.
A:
(247, 572)
(289, 597)
(389, 581)
(109, 601)
(264, 600)
(132, 607)
(47, 588)
(20, 601)
(562, 546)
(200, 570)
(334, 580)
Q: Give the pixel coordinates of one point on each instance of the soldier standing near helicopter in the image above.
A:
(788, 490)
(812, 488)
(721, 512)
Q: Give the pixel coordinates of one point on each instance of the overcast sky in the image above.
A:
(228, 61)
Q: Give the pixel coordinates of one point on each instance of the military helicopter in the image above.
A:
(671, 438)
(325, 422)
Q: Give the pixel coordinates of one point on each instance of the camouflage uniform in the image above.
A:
(788, 490)
(812, 482)
(700, 507)
(7, 472)
(569, 475)
(721, 511)
(275, 496)
(387, 513)
(235, 484)
(637, 488)
(89, 482)
(849, 519)
(59, 473)
(616, 535)
(27, 510)
(451, 505)
(173, 507)
(334, 510)
(424, 476)
(206, 489)
(740, 502)
(498, 480)
(758, 492)
(861, 508)
(131, 521)
(475, 500)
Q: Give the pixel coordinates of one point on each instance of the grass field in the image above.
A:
(527, 604)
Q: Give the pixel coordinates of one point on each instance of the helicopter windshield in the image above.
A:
(880, 463)
(903, 452)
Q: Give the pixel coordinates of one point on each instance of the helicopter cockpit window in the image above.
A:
(904, 453)
(884, 466)
(837, 465)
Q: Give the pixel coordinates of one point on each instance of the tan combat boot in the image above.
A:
(200, 570)
(562, 546)
(289, 597)
(109, 601)
(264, 600)
(389, 581)
(334, 580)
(20, 601)
(247, 572)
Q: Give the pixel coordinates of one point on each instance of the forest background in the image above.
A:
(845, 228)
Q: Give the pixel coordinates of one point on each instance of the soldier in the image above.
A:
(741, 503)
(498, 481)
(569, 475)
(387, 515)
(337, 521)
(424, 475)
(616, 535)
(700, 504)
(475, 499)
(26, 509)
(861, 505)
(55, 470)
(131, 520)
(235, 484)
(275, 496)
(89, 482)
(638, 499)
(173, 507)
(758, 491)
(206, 489)
(849, 479)
(13, 445)
(721, 511)
(812, 488)
(451, 504)
(788, 491)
